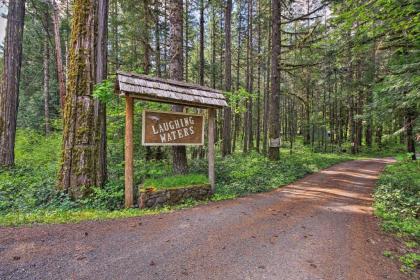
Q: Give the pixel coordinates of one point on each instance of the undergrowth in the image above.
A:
(176, 181)
(28, 191)
(397, 203)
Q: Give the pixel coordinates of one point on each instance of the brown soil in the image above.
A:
(320, 227)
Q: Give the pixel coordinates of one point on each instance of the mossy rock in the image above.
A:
(152, 197)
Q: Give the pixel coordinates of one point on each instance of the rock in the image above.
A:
(150, 202)
(161, 200)
(150, 198)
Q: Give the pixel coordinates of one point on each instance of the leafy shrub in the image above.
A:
(397, 197)
(31, 183)
(30, 186)
(409, 261)
(252, 173)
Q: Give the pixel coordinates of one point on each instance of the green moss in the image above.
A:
(81, 152)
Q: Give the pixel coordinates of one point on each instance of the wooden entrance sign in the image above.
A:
(173, 129)
(164, 128)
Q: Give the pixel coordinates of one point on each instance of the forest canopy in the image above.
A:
(333, 76)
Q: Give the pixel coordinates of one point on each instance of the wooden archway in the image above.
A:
(135, 86)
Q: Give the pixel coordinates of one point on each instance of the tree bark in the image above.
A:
(46, 85)
(101, 75)
(115, 44)
(186, 39)
(146, 36)
(251, 76)
(410, 119)
(157, 38)
(58, 54)
(146, 54)
(267, 94)
(82, 166)
(238, 66)
(248, 116)
(213, 47)
(274, 128)
(227, 112)
(378, 136)
(165, 37)
(258, 128)
(9, 91)
(179, 153)
(201, 70)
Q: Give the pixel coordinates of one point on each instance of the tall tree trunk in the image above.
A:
(274, 128)
(250, 79)
(227, 112)
(187, 11)
(369, 98)
(179, 153)
(46, 85)
(165, 37)
(101, 75)
(9, 90)
(267, 94)
(307, 136)
(146, 36)
(201, 70)
(213, 47)
(116, 38)
(238, 66)
(146, 55)
(258, 129)
(158, 154)
(157, 40)
(378, 136)
(199, 151)
(410, 119)
(247, 113)
(352, 124)
(58, 54)
(82, 166)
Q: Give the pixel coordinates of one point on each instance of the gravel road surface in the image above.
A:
(320, 227)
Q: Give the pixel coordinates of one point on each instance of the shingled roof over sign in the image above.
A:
(168, 91)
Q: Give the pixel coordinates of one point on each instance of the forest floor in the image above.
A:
(320, 227)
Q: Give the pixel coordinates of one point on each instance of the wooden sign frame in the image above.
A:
(140, 87)
(143, 130)
(129, 150)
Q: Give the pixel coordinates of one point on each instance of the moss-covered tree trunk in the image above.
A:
(9, 90)
(81, 166)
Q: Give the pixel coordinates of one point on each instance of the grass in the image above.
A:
(28, 194)
(409, 262)
(397, 203)
(397, 198)
(61, 216)
(175, 181)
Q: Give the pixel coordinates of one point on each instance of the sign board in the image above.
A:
(172, 129)
(275, 143)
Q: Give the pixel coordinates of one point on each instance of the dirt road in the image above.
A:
(320, 227)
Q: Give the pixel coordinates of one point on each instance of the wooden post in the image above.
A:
(212, 123)
(129, 108)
